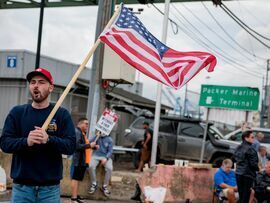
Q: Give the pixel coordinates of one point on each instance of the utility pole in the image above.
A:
(267, 104)
(262, 105)
(96, 94)
(40, 25)
(185, 101)
(159, 88)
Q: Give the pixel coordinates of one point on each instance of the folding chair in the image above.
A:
(216, 198)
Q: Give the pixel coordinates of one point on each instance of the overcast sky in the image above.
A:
(68, 34)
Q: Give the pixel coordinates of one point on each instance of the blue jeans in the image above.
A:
(35, 194)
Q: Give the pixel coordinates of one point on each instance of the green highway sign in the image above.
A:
(240, 98)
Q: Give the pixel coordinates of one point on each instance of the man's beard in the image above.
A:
(39, 97)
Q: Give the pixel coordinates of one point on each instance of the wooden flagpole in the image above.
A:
(76, 75)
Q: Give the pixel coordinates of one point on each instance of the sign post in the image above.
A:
(230, 97)
(204, 136)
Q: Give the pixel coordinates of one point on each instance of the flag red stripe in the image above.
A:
(130, 61)
(130, 49)
(168, 65)
(173, 53)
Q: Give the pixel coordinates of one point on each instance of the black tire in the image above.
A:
(217, 162)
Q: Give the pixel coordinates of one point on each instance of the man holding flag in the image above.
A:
(37, 167)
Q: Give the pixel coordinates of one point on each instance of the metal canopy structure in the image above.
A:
(14, 4)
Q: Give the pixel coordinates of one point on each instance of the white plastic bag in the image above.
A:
(156, 195)
(3, 180)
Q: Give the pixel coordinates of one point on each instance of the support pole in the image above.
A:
(262, 106)
(246, 117)
(96, 95)
(40, 26)
(204, 135)
(267, 103)
(159, 88)
(185, 101)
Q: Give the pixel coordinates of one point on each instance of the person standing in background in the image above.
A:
(80, 159)
(246, 166)
(146, 146)
(257, 141)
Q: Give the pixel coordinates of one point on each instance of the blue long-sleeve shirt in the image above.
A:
(105, 146)
(40, 164)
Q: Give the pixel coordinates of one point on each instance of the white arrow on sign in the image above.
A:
(209, 100)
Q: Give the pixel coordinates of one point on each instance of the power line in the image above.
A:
(228, 43)
(244, 18)
(224, 30)
(250, 13)
(202, 35)
(239, 23)
(262, 36)
(206, 46)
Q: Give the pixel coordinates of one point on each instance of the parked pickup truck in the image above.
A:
(182, 138)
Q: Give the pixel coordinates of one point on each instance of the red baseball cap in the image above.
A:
(40, 71)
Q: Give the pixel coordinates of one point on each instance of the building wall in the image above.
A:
(62, 71)
(12, 93)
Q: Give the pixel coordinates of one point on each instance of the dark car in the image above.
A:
(182, 138)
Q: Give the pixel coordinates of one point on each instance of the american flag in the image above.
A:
(129, 38)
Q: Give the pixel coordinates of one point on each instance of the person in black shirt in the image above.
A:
(246, 166)
(37, 167)
(146, 146)
(79, 159)
(262, 185)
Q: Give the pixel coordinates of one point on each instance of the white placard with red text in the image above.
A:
(107, 121)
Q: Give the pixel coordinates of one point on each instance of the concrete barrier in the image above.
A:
(5, 162)
(182, 183)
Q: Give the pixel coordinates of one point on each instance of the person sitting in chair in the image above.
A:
(262, 185)
(225, 182)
